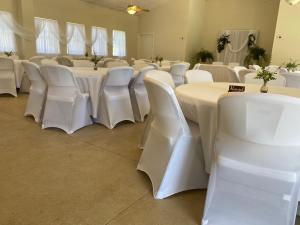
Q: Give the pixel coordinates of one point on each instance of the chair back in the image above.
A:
(220, 73)
(280, 80)
(6, 64)
(162, 76)
(259, 118)
(37, 59)
(197, 76)
(64, 61)
(154, 65)
(139, 80)
(254, 67)
(272, 68)
(119, 76)
(243, 73)
(178, 72)
(292, 79)
(218, 63)
(33, 72)
(233, 64)
(58, 76)
(197, 66)
(165, 108)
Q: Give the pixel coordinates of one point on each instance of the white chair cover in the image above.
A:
(66, 107)
(292, 79)
(220, 73)
(116, 63)
(49, 62)
(7, 77)
(37, 60)
(165, 78)
(233, 64)
(243, 73)
(172, 157)
(64, 61)
(272, 68)
(114, 101)
(198, 76)
(254, 67)
(280, 80)
(37, 91)
(178, 72)
(255, 175)
(197, 66)
(139, 97)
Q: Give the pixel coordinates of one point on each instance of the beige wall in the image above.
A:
(288, 27)
(168, 23)
(73, 11)
(240, 14)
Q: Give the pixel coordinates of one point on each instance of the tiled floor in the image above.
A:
(89, 178)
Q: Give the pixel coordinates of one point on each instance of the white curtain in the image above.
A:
(99, 41)
(47, 36)
(237, 50)
(119, 43)
(7, 36)
(76, 39)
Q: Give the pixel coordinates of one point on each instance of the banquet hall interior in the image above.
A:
(149, 112)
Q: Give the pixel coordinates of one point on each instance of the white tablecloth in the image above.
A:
(199, 104)
(89, 81)
(19, 71)
(83, 63)
(292, 79)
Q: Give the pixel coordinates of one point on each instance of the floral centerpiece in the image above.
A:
(292, 65)
(266, 76)
(8, 54)
(159, 59)
(95, 59)
(222, 41)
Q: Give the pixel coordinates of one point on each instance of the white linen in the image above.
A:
(19, 71)
(82, 63)
(199, 104)
(76, 39)
(119, 43)
(99, 43)
(292, 79)
(220, 73)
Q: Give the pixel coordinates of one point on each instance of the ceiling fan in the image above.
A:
(133, 9)
(292, 2)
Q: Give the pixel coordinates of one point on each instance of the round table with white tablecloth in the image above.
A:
(19, 71)
(89, 81)
(199, 104)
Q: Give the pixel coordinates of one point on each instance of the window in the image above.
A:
(47, 36)
(76, 39)
(119, 43)
(99, 41)
(7, 36)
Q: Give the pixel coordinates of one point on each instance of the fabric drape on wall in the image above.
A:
(7, 36)
(119, 43)
(47, 36)
(76, 39)
(237, 50)
(99, 41)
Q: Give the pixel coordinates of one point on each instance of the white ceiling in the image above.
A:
(121, 5)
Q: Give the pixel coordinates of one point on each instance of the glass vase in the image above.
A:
(95, 67)
(264, 87)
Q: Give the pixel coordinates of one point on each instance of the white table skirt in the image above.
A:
(89, 81)
(19, 71)
(199, 104)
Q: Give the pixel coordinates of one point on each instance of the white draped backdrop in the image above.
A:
(237, 50)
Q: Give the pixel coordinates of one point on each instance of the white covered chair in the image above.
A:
(37, 60)
(114, 101)
(37, 91)
(197, 66)
(163, 77)
(64, 61)
(254, 67)
(178, 72)
(198, 76)
(242, 73)
(139, 97)
(233, 64)
(7, 77)
(280, 80)
(255, 175)
(272, 68)
(172, 157)
(66, 107)
(116, 63)
(292, 80)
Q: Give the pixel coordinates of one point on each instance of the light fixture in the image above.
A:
(132, 9)
(292, 2)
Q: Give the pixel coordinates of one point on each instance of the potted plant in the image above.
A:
(204, 56)
(256, 56)
(266, 76)
(292, 65)
(95, 59)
